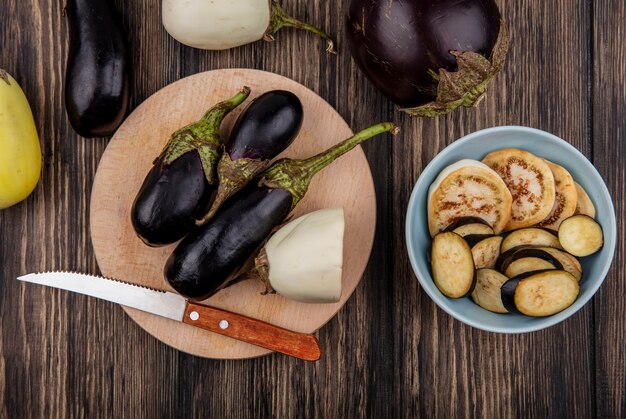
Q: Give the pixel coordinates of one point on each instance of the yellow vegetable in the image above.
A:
(20, 152)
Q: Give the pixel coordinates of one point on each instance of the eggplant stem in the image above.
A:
(318, 162)
(468, 84)
(295, 175)
(279, 18)
(232, 175)
(203, 136)
(214, 116)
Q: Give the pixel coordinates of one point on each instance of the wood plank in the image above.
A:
(389, 352)
(328, 386)
(609, 156)
(444, 368)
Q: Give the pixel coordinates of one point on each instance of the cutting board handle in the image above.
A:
(256, 332)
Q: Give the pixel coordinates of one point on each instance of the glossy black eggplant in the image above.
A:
(211, 256)
(428, 56)
(263, 130)
(182, 182)
(97, 75)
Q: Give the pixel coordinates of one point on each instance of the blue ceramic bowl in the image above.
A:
(476, 146)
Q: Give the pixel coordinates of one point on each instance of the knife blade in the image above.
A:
(173, 306)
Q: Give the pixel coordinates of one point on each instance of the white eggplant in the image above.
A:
(224, 24)
(303, 260)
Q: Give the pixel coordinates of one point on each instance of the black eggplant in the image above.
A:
(428, 56)
(211, 255)
(96, 79)
(263, 130)
(182, 182)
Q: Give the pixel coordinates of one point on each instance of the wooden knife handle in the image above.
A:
(256, 332)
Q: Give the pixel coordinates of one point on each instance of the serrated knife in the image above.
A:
(175, 307)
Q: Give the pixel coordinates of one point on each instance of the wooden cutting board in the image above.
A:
(120, 254)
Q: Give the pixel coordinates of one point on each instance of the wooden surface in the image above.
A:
(121, 171)
(390, 352)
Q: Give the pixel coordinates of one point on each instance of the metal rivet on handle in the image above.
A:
(194, 315)
(223, 324)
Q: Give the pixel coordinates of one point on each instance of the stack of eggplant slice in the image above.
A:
(224, 200)
(532, 268)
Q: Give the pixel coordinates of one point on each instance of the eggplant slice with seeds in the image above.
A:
(530, 182)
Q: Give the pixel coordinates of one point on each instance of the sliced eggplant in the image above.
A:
(486, 252)
(540, 294)
(464, 221)
(569, 262)
(528, 264)
(565, 197)
(468, 188)
(583, 202)
(474, 239)
(452, 265)
(532, 236)
(487, 290)
(530, 182)
(474, 229)
(581, 235)
(512, 255)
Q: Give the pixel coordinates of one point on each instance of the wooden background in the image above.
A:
(390, 352)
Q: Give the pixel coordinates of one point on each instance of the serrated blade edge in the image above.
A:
(162, 303)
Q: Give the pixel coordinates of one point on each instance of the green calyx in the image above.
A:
(466, 86)
(233, 175)
(279, 18)
(295, 175)
(203, 136)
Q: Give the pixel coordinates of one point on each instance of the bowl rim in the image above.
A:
(441, 301)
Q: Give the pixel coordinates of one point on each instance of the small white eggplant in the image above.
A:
(303, 260)
(224, 24)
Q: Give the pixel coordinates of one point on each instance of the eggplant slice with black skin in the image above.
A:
(267, 126)
(540, 293)
(511, 255)
(531, 236)
(474, 239)
(428, 57)
(97, 72)
(464, 221)
(486, 252)
(581, 235)
(570, 263)
(452, 265)
(212, 255)
(529, 264)
(182, 182)
(487, 290)
(474, 229)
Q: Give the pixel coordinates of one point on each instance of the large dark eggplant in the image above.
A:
(96, 79)
(428, 56)
(182, 182)
(263, 130)
(211, 255)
